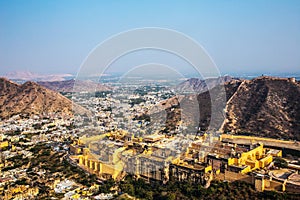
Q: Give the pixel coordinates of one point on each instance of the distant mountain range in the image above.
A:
(74, 86)
(29, 76)
(31, 98)
(264, 106)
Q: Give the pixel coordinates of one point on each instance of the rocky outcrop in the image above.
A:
(264, 106)
(31, 98)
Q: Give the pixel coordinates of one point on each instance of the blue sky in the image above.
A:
(241, 36)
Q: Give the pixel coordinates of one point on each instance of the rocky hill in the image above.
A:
(265, 106)
(31, 98)
(193, 85)
(74, 86)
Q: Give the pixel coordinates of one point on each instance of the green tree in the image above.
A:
(171, 196)
(128, 188)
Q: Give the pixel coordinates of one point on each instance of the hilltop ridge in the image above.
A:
(264, 106)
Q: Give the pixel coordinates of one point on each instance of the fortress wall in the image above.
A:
(275, 185)
(248, 140)
(232, 176)
(292, 188)
(220, 176)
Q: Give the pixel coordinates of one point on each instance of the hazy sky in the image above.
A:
(241, 36)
